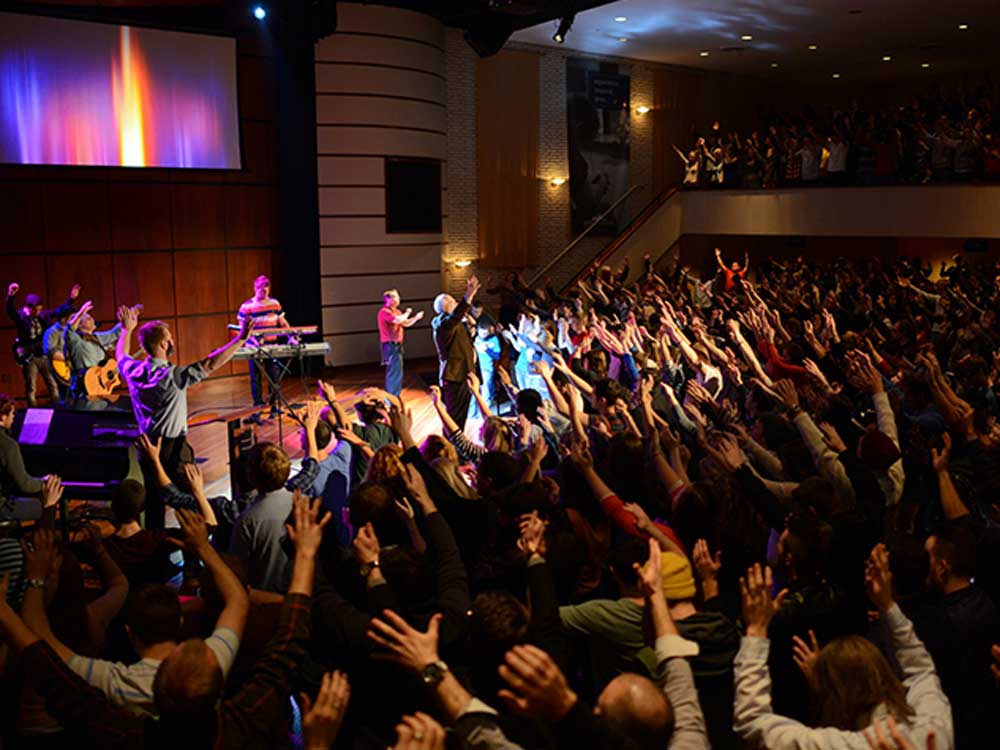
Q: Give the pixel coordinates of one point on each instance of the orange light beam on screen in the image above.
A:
(131, 97)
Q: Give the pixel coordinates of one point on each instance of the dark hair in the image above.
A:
(409, 575)
(957, 547)
(153, 614)
(808, 542)
(367, 411)
(499, 468)
(371, 502)
(610, 390)
(499, 622)
(909, 564)
(323, 434)
(529, 403)
(624, 554)
(128, 500)
(7, 405)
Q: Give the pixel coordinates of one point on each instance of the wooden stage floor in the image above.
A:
(213, 403)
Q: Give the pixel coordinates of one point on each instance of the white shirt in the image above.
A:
(838, 157)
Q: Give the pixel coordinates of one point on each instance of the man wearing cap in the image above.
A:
(31, 320)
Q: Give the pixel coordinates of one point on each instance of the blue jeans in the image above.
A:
(392, 358)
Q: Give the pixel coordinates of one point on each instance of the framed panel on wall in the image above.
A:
(412, 196)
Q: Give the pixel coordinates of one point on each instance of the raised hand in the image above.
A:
(407, 647)
(416, 489)
(195, 478)
(129, 317)
(532, 529)
(321, 721)
(42, 557)
(885, 734)
(581, 457)
(52, 490)
(805, 654)
(878, 579)
(650, 575)
(832, 438)
(708, 567)
(758, 606)
(74, 291)
(538, 689)
(939, 459)
(194, 528)
(310, 417)
(401, 421)
(472, 381)
(366, 546)
(13, 289)
(471, 287)
(326, 390)
(307, 532)
(148, 448)
(642, 520)
(419, 732)
(785, 390)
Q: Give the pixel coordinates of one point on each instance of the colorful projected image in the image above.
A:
(79, 93)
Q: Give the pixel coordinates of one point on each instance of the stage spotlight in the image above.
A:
(565, 24)
(259, 12)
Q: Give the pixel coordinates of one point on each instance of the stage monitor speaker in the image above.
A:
(412, 196)
(488, 37)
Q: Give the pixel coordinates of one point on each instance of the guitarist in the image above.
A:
(86, 347)
(31, 320)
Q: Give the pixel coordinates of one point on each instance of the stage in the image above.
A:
(213, 403)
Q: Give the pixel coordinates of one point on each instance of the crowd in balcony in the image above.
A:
(938, 139)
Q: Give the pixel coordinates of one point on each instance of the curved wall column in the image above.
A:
(380, 92)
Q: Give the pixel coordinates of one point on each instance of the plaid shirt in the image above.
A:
(251, 718)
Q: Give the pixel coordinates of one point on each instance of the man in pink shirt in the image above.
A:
(391, 322)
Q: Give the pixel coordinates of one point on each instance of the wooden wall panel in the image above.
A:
(200, 282)
(248, 215)
(507, 91)
(245, 266)
(199, 213)
(20, 217)
(76, 216)
(139, 278)
(198, 336)
(140, 216)
(11, 383)
(92, 272)
(29, 273)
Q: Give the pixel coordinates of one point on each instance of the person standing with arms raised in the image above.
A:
(159, 392)
(391, 324)
(456, 354)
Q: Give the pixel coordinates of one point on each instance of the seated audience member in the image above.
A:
(142, 554)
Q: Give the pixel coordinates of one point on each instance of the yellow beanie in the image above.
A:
(678, 580)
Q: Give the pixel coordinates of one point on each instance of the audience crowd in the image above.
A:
(756, 508)
(932, 139)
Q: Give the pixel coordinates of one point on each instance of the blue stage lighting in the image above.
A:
(259, 12)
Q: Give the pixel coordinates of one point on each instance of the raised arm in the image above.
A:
(236, 603)
(41, 564)
(224, 353)
(129, 318)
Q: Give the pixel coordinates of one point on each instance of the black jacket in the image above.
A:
(454, 344)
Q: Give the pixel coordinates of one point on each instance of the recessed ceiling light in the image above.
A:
(747, 37)
(925, 65)
(886, 58)
(623, 39)
(620, 19)
(703, 53)
(774, 65)
(813, 47)
(836, 75)
(963, 27)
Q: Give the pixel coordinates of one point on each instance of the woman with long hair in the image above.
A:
(854, 686)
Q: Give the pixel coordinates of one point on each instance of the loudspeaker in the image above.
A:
(488, 37)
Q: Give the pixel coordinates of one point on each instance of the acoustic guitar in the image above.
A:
(60, 368)
(100, 381)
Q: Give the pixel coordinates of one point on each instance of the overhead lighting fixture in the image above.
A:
(963, 27)
(747, 37)
(836, 75)
(925, 65)
(886, 58)
(813, 47)
(259, 12)
(557, 181)
(463, 263)
(703, 53)
(565, 24)
(620, 19)
(623, 39)
(642, 109)
(774, 65)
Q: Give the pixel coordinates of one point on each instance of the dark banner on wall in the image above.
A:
(597, 114)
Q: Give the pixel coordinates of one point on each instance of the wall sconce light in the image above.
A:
(642, 109)
(557, 181)
(463, 263)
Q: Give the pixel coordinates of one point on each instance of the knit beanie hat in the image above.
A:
(678, 581)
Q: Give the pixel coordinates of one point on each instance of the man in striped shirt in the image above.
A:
(266, 313)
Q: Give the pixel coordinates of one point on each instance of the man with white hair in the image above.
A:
(455, 351)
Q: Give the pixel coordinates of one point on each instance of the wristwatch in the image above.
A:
(35, 583)
(367, 568)
(433, 673)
